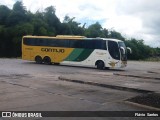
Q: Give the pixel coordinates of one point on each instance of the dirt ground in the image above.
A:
(26, 86)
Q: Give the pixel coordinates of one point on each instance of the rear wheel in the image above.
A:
(38, 59)
(56, 63)
(100, 65)
(47, 60)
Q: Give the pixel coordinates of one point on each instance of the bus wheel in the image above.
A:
(38, 59)
(100, 65)
(56, 63)
(107, 68)
(47, 60)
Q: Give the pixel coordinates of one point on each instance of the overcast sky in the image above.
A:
(133, 18)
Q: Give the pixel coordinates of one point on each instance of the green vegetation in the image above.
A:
(17, 22)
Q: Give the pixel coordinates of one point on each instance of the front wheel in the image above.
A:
(100, 65)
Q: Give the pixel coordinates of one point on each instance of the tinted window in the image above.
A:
(100, 44)
(87, 44)
(123, 56)
(113, 50)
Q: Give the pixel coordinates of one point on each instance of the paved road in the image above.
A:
(26, 86)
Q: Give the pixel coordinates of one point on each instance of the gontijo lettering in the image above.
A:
(52, 50)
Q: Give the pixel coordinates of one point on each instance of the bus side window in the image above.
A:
(100, 44)
(32, 41)
(40, 42)
(103, 45)
(71, 43)
(97, 44)
(25, 41)
(52, 43)
(78, 44)
(66, 43)
(62, 43)
(89, 44)
(28, 41)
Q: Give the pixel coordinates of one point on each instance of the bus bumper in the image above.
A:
(123, 64)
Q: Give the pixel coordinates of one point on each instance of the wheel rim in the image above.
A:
(100, 65)
(47, 60)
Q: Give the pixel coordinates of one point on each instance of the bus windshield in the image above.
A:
(113, 50)
(123, 55)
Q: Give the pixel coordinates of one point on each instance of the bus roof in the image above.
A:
(116, 40)
(71, 37)
(58, 36)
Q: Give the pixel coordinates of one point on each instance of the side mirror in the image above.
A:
(123, 50)
(130, 50)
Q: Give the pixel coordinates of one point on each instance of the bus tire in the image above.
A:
(100, 65)
(56, 63)
(38, 59)
(47, 60)
(107, 68)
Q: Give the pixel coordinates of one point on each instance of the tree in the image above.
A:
(116, 35)
(139, 49)
(70, 26)
(105, 33)
(17, 15)
(66, 29)
(39, 23)
(42, 31)
(52, 19)
(2, 42)
(4, 13)
(94, 30)
(23, 29)
(18, 7)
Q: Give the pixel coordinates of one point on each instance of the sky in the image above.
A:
(138, 19)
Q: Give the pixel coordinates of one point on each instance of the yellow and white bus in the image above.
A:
(75, 50)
